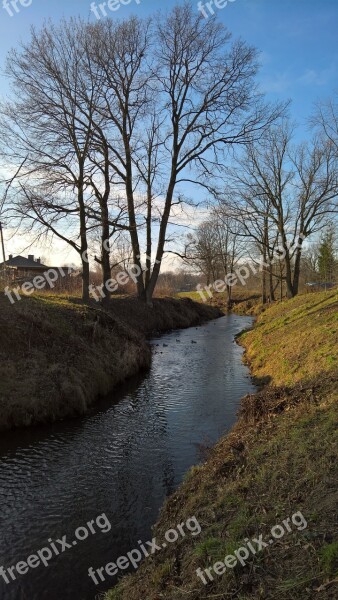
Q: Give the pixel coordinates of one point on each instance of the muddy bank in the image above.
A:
(57, 356)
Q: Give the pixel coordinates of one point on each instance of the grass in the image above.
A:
(244, 301)
(195, 296)
(329, 559)
(280, 458)
(296, 340)
(58, 355)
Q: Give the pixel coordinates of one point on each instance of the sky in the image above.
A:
(296, 40)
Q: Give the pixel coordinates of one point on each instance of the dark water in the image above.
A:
(121, 460)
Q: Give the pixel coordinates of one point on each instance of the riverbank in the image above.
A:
(279, 459)
(244, 302)
(58, 355)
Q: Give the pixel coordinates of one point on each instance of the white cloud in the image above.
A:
(279, 83)
(54, 253)
(318, 77)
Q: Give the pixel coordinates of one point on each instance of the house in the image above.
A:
(315, 286)
(20, 270)
(20, 267)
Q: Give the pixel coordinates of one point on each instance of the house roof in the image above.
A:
(321, 284)
(25, 263)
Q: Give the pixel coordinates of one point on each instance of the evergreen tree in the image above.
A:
(326, 258)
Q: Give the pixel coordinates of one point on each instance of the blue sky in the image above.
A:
(296, 38)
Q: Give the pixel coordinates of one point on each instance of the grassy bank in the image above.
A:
(57, 355)
(279, 459)
(244, 302)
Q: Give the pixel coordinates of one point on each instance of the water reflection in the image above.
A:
(123, 459)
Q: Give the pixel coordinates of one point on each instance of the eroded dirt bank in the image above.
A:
(57, 355)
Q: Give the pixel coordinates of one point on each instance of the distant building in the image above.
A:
(20, 270)
(21, 267)
(315, 286)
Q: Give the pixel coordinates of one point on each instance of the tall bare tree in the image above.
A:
(293, 191)
(206, 86)
(86, 94)
(45, 124)
(229, 243)
(57, 122)
(119, 52)
(203, 89)
(203, 251)
(325, 119)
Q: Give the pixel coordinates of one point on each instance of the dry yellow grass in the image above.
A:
(295, 340)
(57, 355)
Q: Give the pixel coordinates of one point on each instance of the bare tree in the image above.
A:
(292, 191)
(45, 124)
(119, 53)
(216, 247)
(207, 90)
(229, 243)
(203, 251)
(252, 211)
(206, 102)
(325, 119)
(129, 109)
(316, 193)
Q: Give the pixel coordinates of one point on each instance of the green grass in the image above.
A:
(195, 296)
(329, 559)
(243, 299)
(295, 340)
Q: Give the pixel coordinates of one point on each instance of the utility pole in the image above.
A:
(2, 202)
(3, 250)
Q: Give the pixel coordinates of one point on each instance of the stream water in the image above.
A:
(122, 460)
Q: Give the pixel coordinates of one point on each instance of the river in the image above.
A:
(122, 459)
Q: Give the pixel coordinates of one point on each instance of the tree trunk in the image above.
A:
(105, 260)
(161, 239)
(83, 239)
(85, 277)
(149, 244)
(264, 287)
(289, 286)
(272, 289)
(131, 212)
(265, 256)
(105, 233)
(296, 274)
(229, 291)
(288, 267)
